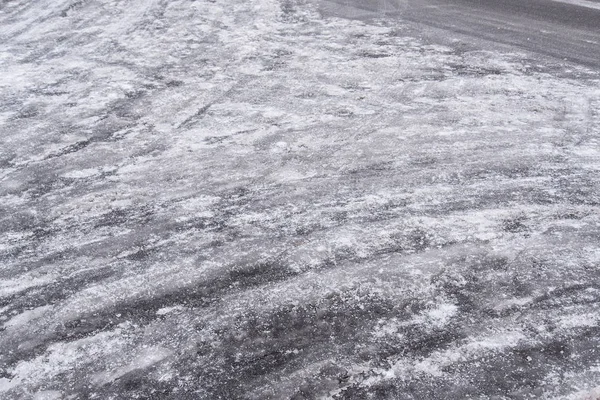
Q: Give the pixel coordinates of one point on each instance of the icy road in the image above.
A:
(273, 199)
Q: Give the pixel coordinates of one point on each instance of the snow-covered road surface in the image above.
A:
(243, 199)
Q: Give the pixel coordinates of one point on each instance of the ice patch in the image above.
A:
(581, 3)
(168, 310)
(62, 357)
(509, 303)
(82, 173)
(12, 286)
(26, 317)
(147, 358)
(586, 394)
(434, 364)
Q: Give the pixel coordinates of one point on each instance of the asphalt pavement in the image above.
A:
(568, 31)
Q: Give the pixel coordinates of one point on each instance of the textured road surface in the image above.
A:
(564, 30)
(244, 199)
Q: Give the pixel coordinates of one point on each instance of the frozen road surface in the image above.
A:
(287, 199)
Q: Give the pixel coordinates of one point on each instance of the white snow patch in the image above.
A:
(7, 384)
(579, 320)
(498, 341)
(63, 357)
(441, 315)
(48, 395)
(428, 367)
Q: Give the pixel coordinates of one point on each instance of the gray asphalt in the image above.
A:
(559, 30)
